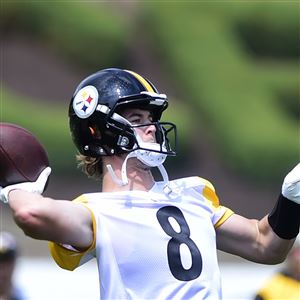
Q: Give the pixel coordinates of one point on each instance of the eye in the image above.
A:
(135, 120)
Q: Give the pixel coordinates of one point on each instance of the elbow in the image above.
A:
(278, 259)
(273, 261)
(273, 258)
(26, 218)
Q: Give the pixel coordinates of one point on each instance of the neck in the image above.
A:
(139, 176)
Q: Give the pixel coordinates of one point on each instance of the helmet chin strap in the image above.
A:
(124, 179)
(149, 158)
(165, 176)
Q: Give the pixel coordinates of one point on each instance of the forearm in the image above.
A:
(60, 221)
(278, 230)
(28, 214)
(253, 240)
(272, 248)
(43, 218)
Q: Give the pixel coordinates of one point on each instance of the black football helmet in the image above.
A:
(96, 125)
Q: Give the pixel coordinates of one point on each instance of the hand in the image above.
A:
(291, 185)
(37, 186)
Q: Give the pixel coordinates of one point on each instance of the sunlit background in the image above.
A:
(231, 73)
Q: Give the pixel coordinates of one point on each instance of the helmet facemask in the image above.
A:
(152, 154)
(155, 153)
(126, 137)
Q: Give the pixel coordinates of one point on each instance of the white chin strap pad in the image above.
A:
(150, 158)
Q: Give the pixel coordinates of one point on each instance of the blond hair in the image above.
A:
(91, 166)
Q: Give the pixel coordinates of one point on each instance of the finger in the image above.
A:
(42, 179)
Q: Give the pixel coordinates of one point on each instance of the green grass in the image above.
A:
(87, 35)
(237, 94)
(235, 63)
(48, 123)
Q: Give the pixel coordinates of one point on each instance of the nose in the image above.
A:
(150, 129)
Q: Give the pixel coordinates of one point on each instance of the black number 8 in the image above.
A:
(178, 238)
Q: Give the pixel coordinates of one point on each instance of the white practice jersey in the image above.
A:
(153, 245)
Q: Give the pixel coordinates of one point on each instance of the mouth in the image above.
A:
(151, 141)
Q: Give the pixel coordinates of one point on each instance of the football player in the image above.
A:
(9, 288)
(152, 240)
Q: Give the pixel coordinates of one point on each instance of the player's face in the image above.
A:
(142, 117)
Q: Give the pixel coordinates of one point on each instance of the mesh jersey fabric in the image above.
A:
(150, 245)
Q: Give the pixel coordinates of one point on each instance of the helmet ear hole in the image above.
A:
(92, 131)
(95, 132)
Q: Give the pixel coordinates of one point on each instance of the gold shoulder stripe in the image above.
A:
(210, 195)
(142, 80)
(207, 183)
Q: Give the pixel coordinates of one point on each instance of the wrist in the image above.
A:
(285, 218)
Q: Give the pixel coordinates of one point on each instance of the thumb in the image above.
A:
(44, 175)
(42, 179)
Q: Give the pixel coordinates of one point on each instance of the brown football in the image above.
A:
(22, 156)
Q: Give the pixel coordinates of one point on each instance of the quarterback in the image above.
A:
(151, 240)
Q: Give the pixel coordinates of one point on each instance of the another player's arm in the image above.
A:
(59, 221)
(270, 239)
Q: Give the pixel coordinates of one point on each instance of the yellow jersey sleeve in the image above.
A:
(68, 257)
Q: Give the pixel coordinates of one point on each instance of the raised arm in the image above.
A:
(60, 221)
(267, 240)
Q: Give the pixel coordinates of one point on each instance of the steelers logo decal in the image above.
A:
(85, 101)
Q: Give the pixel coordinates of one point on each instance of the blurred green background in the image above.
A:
(229, 68)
